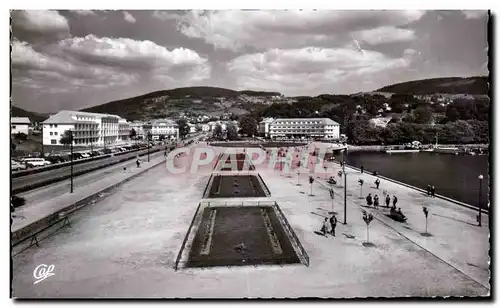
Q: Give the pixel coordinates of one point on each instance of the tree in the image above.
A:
(217, 132)
(149, 136)
(66, 138)
(248, 125)
(422, 115)
(311, 181)
(426, 213)
(20, 137)
(368, 219)
(132, 133)
(183, 128)
(161, 137)
(452, 113)
(231, 132)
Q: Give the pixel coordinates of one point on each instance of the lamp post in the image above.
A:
(345, 187)
(148, 137)
(71, 164)
(480, 177)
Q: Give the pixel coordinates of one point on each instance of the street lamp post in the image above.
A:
(345, 187)
(147, 137)
(71, 164)
(480, 177)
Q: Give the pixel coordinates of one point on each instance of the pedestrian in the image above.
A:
(428, 190)
(387, 200)
(362, 169)
(333, 224)
(324, 227)
(369, 199)
(138, 163)
(433, 191)
(375, 202)
(377, 182)
(394, 200)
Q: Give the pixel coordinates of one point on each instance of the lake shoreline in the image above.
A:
(382, 148)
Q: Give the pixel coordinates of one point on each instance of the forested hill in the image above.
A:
(449, 85)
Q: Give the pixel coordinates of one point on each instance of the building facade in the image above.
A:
(89, 129)
(19, 125)
(263, 128)
(168, 128)
(323, 128)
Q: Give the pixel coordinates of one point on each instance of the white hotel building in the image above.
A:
(166, 127)
(94, 129)
(324, 128)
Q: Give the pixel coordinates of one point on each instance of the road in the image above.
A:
(35, 180)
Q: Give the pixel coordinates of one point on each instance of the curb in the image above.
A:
(32, 229)
(471, 207)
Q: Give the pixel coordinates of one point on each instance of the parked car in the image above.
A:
(35, 162)
(107, 151)
(94, 153)
(84, 154)
(16, 166)
(16, 201)
(77, 156)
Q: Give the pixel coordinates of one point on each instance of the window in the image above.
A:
(50, 125)
(55, 125)
(51, 133)
(53, 141)
(13, 127)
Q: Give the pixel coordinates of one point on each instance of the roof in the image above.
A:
(20, 120)
(67, 116)
(326, 121)
(164, 122)
(267, 120)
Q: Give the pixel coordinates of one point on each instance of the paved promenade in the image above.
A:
(126, 245)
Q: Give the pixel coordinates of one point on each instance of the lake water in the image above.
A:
(454, 176)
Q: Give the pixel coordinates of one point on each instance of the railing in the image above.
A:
(209, 184)
(288, 228)
(207, 204)
(179, 255)
(263, 184)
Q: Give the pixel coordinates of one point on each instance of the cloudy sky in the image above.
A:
(76, 59)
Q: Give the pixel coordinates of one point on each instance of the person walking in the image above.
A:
(375, 202)
(428, 190)
(138, 163)
(362, 169)
(324, 227)
(433, 191)
(394, 200)
(333, 224)
(377, 182)
(387, 200)
(369, 199)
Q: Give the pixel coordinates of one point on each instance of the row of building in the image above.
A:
(95, 129)
(323, 128)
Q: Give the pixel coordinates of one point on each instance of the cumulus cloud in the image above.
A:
(84, 12)
(385, 35)
(308, 69)
(128, 17)
(93, 61)
(40, 23)
(285, 29)
(472, 14)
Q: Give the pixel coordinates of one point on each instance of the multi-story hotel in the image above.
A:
(303, 127)
(89, 129)
(165, 127)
